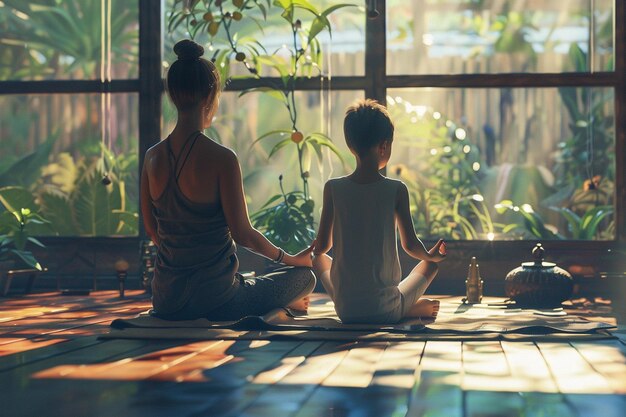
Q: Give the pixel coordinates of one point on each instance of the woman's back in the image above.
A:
(195, 247)
(199, 175)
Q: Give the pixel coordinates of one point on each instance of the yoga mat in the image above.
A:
(494, 319)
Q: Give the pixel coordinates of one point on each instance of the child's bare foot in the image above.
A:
(425, 307)
(301, 304)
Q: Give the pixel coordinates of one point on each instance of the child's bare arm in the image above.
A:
(324, 240)
(411, 244)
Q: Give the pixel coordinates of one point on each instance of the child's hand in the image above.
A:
(438, 252)
(302, 258)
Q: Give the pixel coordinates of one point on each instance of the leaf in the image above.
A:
(591, 219)
(270, 201)
(321, 21)
(128, 222)
(263, 10)
(28, 259)
(305, 157)
(269, 134)
(57, 209)
(323, 140)
(275, 62)
(577, 57)
(14, 198)
(572, 219)
(94, 203)
(36, 242)
(318, 24)
(279, 146)
(287, 6)
(27, 169)
(270, 92)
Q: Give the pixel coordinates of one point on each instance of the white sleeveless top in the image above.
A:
(365, 272)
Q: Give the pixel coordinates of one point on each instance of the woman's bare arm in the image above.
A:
(236, 213)
(324, 240)
(411, 244)
(149, 222)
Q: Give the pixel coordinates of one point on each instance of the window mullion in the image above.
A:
(620, 119)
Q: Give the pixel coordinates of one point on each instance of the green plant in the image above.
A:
(589, 149)
(532, 224)
(585, 226)
(301, 58)
(71, 195)
(285, 220)
(15, 227)
(26, 170)
(444, 182)
(63, 37)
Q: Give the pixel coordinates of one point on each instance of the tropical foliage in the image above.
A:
(63, 38)
(71, 194)
(444, 182)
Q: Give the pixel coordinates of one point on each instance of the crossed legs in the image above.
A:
(321, 267)
(412, 287)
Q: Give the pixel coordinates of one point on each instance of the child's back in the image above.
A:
(359, 218)
(366, 271)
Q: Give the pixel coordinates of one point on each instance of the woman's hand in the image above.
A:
(438, 252)
(302, 258)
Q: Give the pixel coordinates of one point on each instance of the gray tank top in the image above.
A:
(366, 269)
(196, 246)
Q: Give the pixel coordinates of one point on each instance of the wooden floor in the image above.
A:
(52, 364)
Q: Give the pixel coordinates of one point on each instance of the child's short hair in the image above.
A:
(367, 124)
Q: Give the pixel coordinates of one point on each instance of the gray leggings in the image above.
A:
(256, 296)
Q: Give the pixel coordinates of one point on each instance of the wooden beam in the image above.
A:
(376, 55)
(68, 86)
(620, 120)
(151, 85)
(529, 80)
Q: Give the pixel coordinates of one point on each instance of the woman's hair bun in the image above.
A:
(188, 50)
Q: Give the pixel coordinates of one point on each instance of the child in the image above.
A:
(359, 218)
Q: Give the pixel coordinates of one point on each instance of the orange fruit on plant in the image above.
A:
(237, 16)
(208, 16)
(297, 137)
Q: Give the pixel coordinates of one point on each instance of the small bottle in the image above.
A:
(473, 284)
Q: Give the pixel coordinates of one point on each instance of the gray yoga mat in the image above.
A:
(494, 319)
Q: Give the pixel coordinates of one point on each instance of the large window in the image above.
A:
(509, 114)
(506, 116)
(70, 128)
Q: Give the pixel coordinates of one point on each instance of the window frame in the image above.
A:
(374, 83)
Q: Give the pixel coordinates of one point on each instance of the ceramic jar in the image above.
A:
(538, 283)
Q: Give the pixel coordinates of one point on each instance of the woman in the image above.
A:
(194, 210)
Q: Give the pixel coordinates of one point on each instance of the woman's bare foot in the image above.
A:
(425, 307)
(301, 304)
